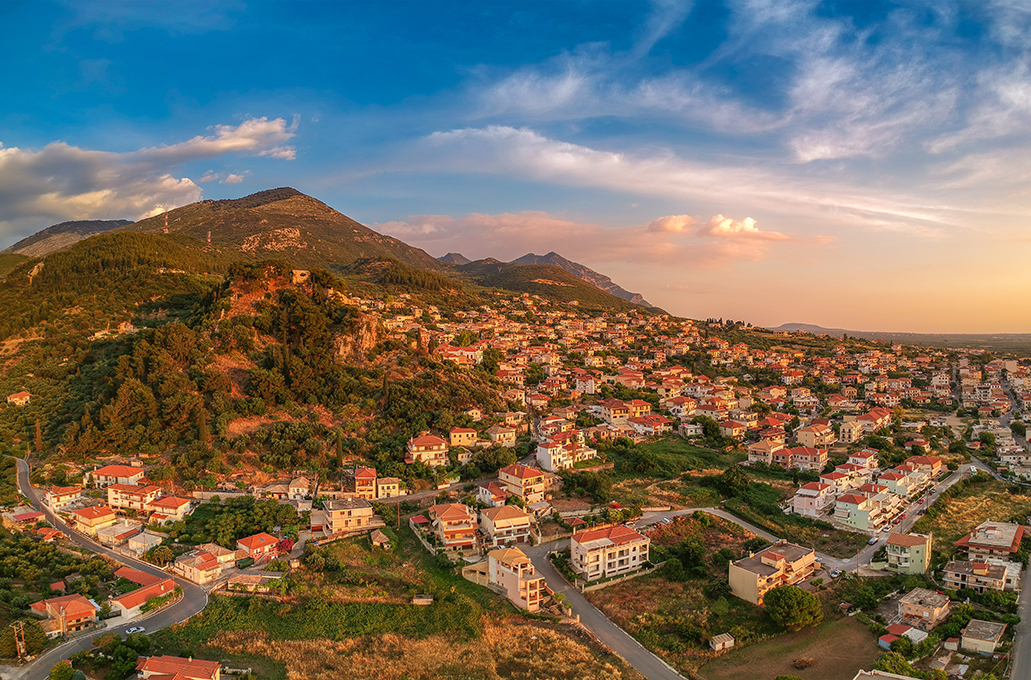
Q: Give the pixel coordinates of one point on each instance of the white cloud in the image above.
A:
(209, 176)
(507, 236)
(62, 182)
(232, 179)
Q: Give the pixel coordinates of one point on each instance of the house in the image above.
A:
(116, 474)
(720, 642)
(259, 546)
(19, 398)
(492, 494)
(982, 636)
(502, 435)
(60, 496)
(867, 458)
(198, 566)
(651, 425)
(930, 465)
(504, 524)
(762, 451)
(525, 482)
(298, 489)
(732, 429)
(65, 614)
(379, 540)
(89, 520)
(563, 451)
(850, 432)
(428, 449)
(781, 564)
(978, 576)
(858, 511)
(816, 436)
(509, 572)
(898, 483)
(169, 509)
(388, 487)
(455, 525)
(347, 516)
(612, 551)
(130, 604)
(463, 436)
(812, 499)
(908, 553)
(802, 458)
(139, 544)
(131, 497)
(22, 521)
(1000, 540)
(874, 419)
(923, 609)
(119, 533)
(178, 668)
(365, 483)
(614, 411)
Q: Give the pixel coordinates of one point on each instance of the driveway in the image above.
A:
(193, 601)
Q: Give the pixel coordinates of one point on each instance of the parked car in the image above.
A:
(886, 529)
(836, 573)
(920, 501)
(136, 629)
(872, 541)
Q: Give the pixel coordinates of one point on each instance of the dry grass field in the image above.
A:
(991, 500)
(841, 646)
(513, 649)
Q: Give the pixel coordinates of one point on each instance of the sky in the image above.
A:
(855, 164)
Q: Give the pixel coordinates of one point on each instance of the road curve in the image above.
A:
(193, 601)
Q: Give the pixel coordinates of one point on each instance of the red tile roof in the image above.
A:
(257, 542)
(194, 669)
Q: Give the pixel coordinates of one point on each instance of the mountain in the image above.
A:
(1002, 342)
(546, 280)
(61, 236)
(455, 258)
(812, 328)
(586, 273)
(283, 224)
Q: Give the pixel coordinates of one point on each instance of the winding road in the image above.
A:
(193, 601)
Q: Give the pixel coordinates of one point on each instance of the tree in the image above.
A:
(62, 670)
(793, 608)
(161, 555)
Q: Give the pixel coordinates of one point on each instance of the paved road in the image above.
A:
(1021, 651)
(611, 635)
(193, 601)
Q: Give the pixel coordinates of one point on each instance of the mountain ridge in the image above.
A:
(584, 272)
(61, 236)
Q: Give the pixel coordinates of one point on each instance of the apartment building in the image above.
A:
(781, 564)
(505, 524)
(455, 525)
(525, 482)
(979, 576)
(998, 540)
(603, 553)
(132, 497)
(348, 516)
(924, 609)
(428, 449)
(908, 553)
(812, 499)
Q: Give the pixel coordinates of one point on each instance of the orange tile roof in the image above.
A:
(141, 595)
(194, 669)
(522, 471)
(256, 541)
(95, 512)
(617, 534)
(118, 471)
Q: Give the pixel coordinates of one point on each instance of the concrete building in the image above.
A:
(1000, 540)
(455, 525)
(505, 524)
(116, 474)
(923, 609)
(428, 449)
(781, 564)
(525, 482)
(89, 520)
(978, 576)
(812, 499)
(512, 570)
(345, 516)
(65, 614)
(60, 496)
(604, 553)
(982, 636)
(908, 553)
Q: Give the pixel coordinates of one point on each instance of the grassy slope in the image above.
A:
(9, 262)
(547, 281)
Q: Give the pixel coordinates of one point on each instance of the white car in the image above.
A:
(136, 629)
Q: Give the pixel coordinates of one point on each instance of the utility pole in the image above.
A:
(19, 638)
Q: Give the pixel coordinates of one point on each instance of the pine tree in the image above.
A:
(39, 439)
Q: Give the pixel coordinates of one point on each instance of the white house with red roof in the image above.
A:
(603, 553)
(65, 614)
(812, 499)
(116, 474)
(258, 546)
(177, 668)
(428, 449)
(19, 398)
(131, 603)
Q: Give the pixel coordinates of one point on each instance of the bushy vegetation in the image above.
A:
(235, 518)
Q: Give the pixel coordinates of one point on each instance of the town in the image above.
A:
(782, 471)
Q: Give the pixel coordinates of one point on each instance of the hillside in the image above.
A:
(1001, 342)
(9, 262)
(283, 224)
(61, 236)
(545, 280)
(455, 258)
(586, 273)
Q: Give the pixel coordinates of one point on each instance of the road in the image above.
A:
(1021, 651)
(611, 635)
(193, 601)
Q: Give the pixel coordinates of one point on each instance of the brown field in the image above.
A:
(991, 501)
(841, 646)
(513, 649)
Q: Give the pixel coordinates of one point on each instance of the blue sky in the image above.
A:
(859, 164)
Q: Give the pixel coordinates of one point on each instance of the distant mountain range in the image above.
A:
(61, 236)
(988, 341)
(582, 272)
